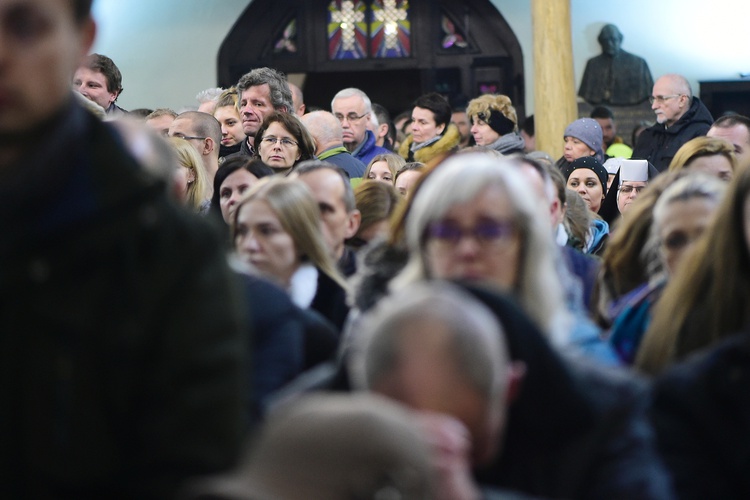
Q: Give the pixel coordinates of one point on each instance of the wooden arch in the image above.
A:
(291, 36)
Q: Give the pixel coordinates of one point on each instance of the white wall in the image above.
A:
(166, 49)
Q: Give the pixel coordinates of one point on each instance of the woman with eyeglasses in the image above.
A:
(474, 218)
(681, 214)
(282, 141)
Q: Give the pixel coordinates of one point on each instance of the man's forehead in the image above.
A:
(84, 71)
(348, 103)
(737, 133)
(262, 90)
(325, 183)
(182, 125)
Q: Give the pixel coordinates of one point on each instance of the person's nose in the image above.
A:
(467, 246)
(250, 242)
(473, 129)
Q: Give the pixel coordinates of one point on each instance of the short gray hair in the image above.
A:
(281, 96)
(475, 336)
(351, 91)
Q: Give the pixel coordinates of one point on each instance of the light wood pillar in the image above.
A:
(554, 82)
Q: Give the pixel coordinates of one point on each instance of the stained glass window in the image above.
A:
(287, 42)
(360, 29)
(347, 29)
(390, 29)
(452, 37)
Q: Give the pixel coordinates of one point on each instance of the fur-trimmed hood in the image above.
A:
(447, 143)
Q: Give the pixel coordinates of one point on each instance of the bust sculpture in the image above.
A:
(615, 77)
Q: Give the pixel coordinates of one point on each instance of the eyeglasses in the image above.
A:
(484, 233)
(187, 137)
(661, 98)
(630, 189)
(271, 141)
(351, 117)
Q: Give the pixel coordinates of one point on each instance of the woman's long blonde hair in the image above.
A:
(189, 158)
(709, 297)
(299, 215)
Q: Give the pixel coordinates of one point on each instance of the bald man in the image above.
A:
(680, 116)
(537, 425)
(328, 134)
(203, 132)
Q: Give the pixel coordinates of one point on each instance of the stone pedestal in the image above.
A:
(626, 117)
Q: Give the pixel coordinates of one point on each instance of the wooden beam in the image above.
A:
(554, 81)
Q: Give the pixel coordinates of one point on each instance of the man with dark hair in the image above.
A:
(99, 79)
(381, 126)
(680, 116)
(121, 349)
(461, 120)
(260, 92)
(527, 132)
(735, 129)
(606, 119)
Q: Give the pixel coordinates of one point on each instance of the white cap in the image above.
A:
(634, 171)
(613, 165)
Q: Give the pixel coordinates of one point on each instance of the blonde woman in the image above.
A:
(228, 116)
(277, 231)
(383, 168)
(191, 180)
(709, 155)
(494, 124)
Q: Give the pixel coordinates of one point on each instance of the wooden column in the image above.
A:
(554, 82)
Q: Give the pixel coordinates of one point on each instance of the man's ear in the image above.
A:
(208, 146)
(355, 219)
(382, 130)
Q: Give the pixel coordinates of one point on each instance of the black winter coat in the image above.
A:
(658, 144)
(121, 346)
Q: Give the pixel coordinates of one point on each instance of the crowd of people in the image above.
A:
(256, 299)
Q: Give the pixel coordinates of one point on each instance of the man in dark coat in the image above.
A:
(121, 354)
(679, 117)
(539, 425)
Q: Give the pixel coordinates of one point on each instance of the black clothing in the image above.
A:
(658, 144)
(121, 346)
(575, 431)
(701, 415)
